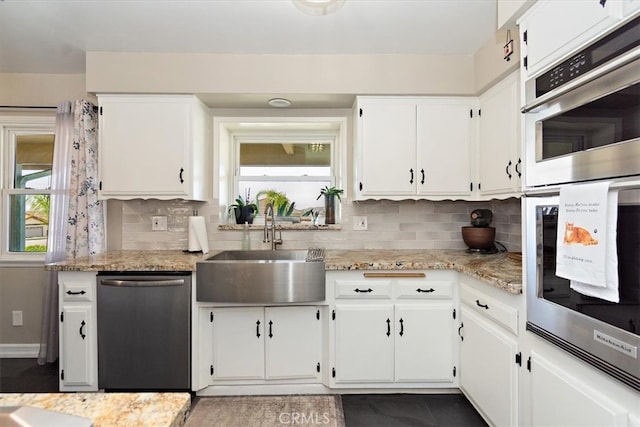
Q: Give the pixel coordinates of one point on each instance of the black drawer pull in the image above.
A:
(428, 291)
(258, 329)
(485, 306)
(401, 327)
(365, 291)
(76, 292)
(388, 327)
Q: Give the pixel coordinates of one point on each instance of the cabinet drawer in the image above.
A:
(364, 289)
(424, 289)
(502, 314)
(78, 287)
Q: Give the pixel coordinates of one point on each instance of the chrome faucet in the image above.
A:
(274, 241)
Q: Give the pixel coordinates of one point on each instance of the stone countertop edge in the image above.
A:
(496, 269)
(111, 409)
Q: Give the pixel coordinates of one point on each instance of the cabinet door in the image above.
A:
(499, 142)
(238, 343)
(77, 340)
(488, 370)
(292, 342)
(364, 343)
(424, 342)
(555, 28)
(387, 147)
(444, 134)
(559, 399)
(144, 147)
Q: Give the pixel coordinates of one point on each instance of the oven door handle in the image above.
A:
(607, 68)
(146, 283)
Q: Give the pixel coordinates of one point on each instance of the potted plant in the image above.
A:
(330, 194)
(282, 206)
(244, 209)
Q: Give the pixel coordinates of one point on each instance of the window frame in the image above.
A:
(225, 154)
(11, 127)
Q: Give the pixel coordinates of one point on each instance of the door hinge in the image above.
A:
(211, 317)
(360, 186)
(529, 364)
(479, 112)
(333, 315)
(454, 313)
(62, 375)
(100, 186)
(333, 372)
(360, 112)
(62, 316)
(524, 37)
(318, 367)
(318, 315)
(471, 186)
(454, 371)
(524, 62)
(211, 369)
(100, 110)
(479, 186)
(519, 359)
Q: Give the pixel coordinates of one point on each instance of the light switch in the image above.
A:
(360, 223)
(159, 223)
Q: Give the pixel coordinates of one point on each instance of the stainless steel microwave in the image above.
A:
(582, 115)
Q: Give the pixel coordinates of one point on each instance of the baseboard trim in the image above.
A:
(14, 351)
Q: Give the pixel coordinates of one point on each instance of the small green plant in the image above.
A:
(243, 203)
(281, 203)
(330, 191)
(314, 214)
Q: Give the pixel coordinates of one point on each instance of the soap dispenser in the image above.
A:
(246, 239)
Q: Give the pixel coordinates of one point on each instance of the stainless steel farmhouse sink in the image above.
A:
(262, 276)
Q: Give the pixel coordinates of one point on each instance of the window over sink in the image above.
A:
(297, 157)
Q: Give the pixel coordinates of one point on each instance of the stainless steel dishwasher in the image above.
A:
(144, 329)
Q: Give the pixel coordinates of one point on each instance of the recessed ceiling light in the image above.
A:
(279, 102)
(319, 7)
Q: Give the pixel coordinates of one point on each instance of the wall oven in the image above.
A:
(602, 333)
(582, 125)
(582, 117)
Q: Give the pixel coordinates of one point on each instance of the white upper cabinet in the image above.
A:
(499, 161)
(414, 147)
(553, 29)
(153, 146)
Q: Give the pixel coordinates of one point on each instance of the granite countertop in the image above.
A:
(498, 269)
(111, 409)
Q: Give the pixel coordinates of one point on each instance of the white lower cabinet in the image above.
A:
(558, 398)
(490, 360)
(489, 375)
(393, 331)
(264, 343)
(78, 363)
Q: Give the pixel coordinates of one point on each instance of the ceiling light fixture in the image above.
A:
(279, 102)
(319, 7)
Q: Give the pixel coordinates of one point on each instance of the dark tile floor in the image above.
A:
(26, 376)
(369, 410)
(400, 410)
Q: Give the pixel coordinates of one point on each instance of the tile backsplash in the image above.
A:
(409, 224)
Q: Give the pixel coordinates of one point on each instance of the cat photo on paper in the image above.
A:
(574, 234)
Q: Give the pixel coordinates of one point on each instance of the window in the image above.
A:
(296, 168)
(27, 148)
(294, 156)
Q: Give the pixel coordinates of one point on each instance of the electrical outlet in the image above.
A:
(360, 223)
(159, 223)
(16, 318)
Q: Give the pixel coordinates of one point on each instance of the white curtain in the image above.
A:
(76, 216)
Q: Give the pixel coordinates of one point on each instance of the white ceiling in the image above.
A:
(52, 36)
